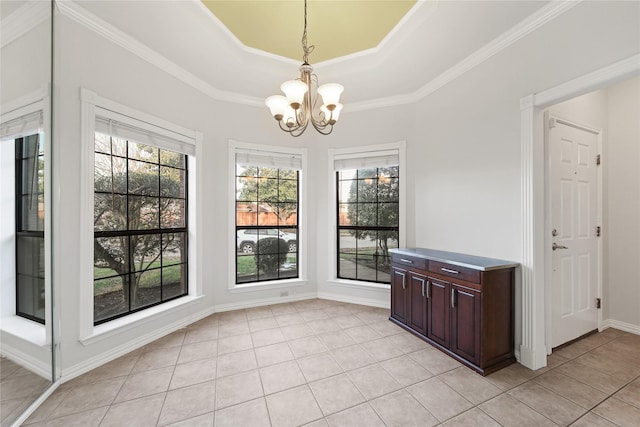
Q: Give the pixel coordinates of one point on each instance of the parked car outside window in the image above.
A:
(247, 239)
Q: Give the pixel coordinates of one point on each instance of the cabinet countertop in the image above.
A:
(462, 260)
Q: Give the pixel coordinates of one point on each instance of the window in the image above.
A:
(24, 218)
(29, 228)
(140, 221)
(266, 216)
(368, 211)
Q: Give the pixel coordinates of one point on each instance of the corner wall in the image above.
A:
(622, 227)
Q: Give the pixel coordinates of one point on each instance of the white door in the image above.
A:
(574, 253)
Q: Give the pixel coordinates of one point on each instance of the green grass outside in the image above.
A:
(246, 265)
(149, 279)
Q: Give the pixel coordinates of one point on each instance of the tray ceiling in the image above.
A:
(336, 28)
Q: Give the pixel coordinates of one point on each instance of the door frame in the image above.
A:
(532, 350)
(547, 116)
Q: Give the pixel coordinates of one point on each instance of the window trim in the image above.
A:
(235, 147)
(93, 105)
(355, 153)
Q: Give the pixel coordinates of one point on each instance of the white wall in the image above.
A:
(466, 152)
(463, 155)
(26, 63)
(622, 227)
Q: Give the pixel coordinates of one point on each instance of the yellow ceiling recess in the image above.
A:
(336, 27)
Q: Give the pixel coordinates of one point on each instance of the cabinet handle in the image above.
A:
(453, 298)
(403, 280)
(422, 288)
(408, 261)
(427, 289)
(449, 271)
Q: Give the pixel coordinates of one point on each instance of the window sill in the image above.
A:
(262, 286)
(27, 330)
(359, 284)
(117, 326)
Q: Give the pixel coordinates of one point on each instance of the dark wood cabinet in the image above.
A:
(438, 308)
(465, 322)
(417, 317)
(399, 295)
(461, 304)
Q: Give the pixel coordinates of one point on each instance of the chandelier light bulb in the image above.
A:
(330, 93)
(333, 115)
(278, 105)
(294, 90)
(290, 117)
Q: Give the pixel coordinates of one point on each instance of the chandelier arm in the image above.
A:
(285, 128)
(321, 129)
(299, 130)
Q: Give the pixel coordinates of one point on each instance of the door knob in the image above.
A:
(557, 246)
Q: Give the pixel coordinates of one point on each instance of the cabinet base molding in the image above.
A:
(482, 371)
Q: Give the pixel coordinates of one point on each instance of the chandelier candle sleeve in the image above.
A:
(299, 106)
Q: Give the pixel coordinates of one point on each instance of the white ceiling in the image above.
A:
(432, 39)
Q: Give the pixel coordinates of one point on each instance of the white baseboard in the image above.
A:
(615, 324)
(354, 300)
(94, 362)
(26, 361)
(89, 364)
(262, 302)
(532, 358)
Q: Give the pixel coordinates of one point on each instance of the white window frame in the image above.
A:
(301, 280)
(37, 102)
(93, 105)
(363, 152)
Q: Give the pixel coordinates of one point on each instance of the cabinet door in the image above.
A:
(417, 316)
(399, 294)
(438, 313)
(465, 322)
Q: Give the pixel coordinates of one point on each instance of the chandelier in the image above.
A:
(299, 106)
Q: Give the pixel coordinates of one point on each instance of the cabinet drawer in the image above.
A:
(462, 273)
(409, 261)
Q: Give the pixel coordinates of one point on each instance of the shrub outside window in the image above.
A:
(140, 226)
(267, 208)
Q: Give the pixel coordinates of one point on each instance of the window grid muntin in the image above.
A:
(128, 233)
(361, 176)
(23, 231)
(240, 173)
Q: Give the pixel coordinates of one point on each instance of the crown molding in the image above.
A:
(80, 15)
(23, 20)
(621, 70)
(545, 14)
(525, 27)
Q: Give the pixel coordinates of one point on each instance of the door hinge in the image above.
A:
(598, 231)
(598, 159)
(552, 122)
(598, 303)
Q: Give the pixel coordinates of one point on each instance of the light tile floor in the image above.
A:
(19, 388)
(323, 363)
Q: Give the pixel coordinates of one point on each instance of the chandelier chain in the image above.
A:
(299, 106)
(307, 49)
